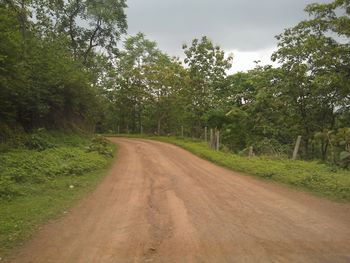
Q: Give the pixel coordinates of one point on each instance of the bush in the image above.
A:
(5, 132)
(40, 183)
(101, 146)
(39, 140)
(273, 148)
(8, 188)
(345, 159)
(22, 169)
(11, 137)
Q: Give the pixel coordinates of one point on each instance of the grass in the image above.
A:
(311, 176)
(48, 173)
(39, 185)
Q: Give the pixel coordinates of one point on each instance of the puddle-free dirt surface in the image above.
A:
(160, 203)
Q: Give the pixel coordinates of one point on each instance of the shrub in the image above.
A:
(271, 147)
(39, 140)
(101, 146)
(345, 159)
(22, 169)
(8, 189)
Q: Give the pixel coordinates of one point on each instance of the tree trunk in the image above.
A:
(324, 150)
(159, 126)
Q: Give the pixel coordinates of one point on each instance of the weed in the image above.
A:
(41, 179)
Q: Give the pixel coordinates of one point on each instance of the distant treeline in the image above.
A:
(57, 73)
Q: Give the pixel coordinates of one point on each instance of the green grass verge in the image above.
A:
(36, 186)
(311, 176)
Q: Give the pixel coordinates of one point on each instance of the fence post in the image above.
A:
(206, 133)
(211, 139)
(118, 130)
(141, 129)
(296, 148)
(217, 140)
(251, 153)
(182, 131)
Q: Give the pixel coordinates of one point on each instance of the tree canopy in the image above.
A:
(61, 66)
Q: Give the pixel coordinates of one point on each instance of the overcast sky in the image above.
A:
(244, 27)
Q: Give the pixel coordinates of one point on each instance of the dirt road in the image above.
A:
(160, 203)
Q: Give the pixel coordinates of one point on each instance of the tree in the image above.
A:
(40, 84)
(130, 90)
(165, 78)
(86, 23)
(207, 67)
(317, 64)
(12, 73)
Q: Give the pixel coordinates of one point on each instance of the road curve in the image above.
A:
(160, 203)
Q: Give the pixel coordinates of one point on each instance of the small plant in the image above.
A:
(272, 148)
(39, 181)
(100, 145)
(345, 159)
(343, 141)
(24, 169)
(40, 141)
(8, 189)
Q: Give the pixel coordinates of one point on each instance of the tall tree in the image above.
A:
(207, 66)
(130, 91)
(86, 23)
(165, 79)
(316, 59)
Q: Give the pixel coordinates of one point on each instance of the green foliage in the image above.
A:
(22, 168)
(87, 24)
(60, 68)
(207, 66)
(53, 75)
(101, 146)
(272, 148)
(43, 83)
(39, 140)
(315, 67)
(341, 140)
(345, 159)
(38, 185)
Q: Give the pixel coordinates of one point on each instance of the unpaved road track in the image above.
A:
(160, 203)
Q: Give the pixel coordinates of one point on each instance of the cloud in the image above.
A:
(246, 26)
(244, 60)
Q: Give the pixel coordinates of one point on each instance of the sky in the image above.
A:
(245, 28)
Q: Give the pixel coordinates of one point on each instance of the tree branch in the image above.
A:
(92, 38)
(71, 31)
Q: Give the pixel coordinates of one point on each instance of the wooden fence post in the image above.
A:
(182, 131)
(206, 133)
(211, 139)
(118, 130)
(251, 153)
(217, 140)
(296, 148)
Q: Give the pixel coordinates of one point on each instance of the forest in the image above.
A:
(70, 65)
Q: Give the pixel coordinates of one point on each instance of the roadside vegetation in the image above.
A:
(62, 68)
(316, 177)
(42, 175)
(267, 107)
